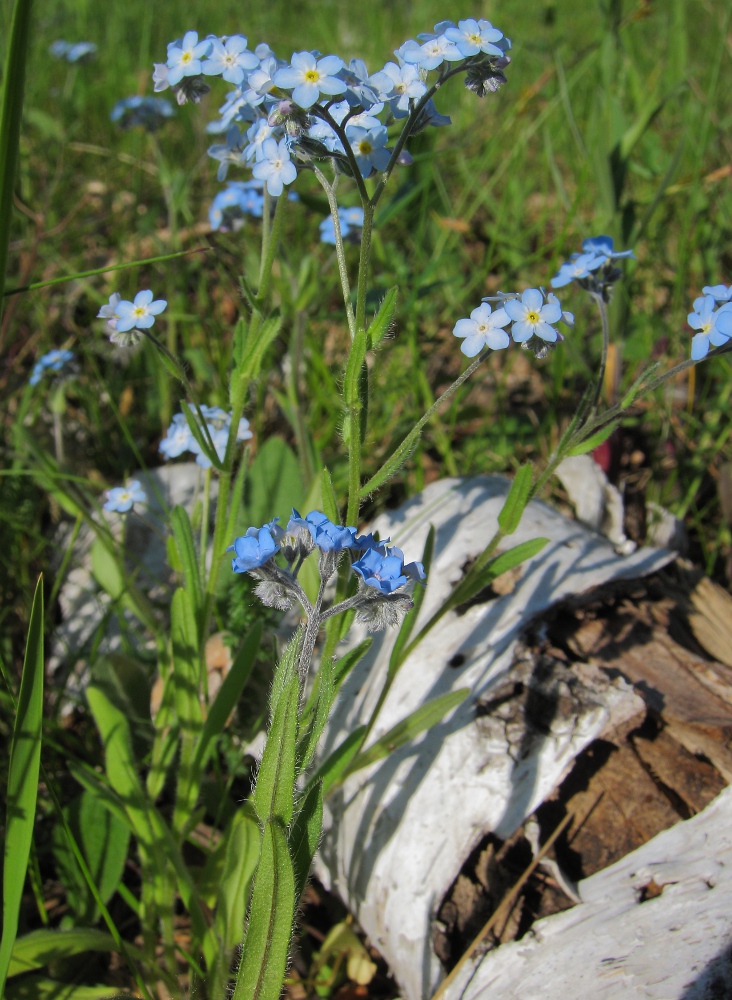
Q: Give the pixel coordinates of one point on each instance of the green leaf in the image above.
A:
(331, 771)
(242, 842)
(354, 365)
(515, 503)
(91, 781)
(106, 570)
(227, 696)
(254, 348)
(330, 501)
(104, 842)
(407, 627)
(267, 943)
(25, 761)
(187, 668)
(343, 667)
(475, 582)
(304, 836)
(183, 535)
(382, 321)
(11, 111)
(274, 791)
(34, 950)
(403, 732)
(192, 419)
(594, 440)
(40, 988)
(326, 693)
(275, 483)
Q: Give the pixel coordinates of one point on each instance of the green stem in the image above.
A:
(205, 514)
(605, 348)
(265, 275)
(363, 265)
(330, 192)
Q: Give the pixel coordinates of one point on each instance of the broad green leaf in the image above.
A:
(275, 483)
(11, 114)
(23, 768)
(183, 535)
(40, 988)
(308, 743)
(330, 501)
(475, 582)
(92, 782)
(274, 791)
(242, 842)
(267, 943)
(403, 732)
(381, 323)
(106, 570)
(398, 651)
(34, 950)
(227, 696)
(305, 835)
(104, 842)
(332, 769)
(594, 440)
(515, 503)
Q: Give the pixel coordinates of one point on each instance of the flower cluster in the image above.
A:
(179, 438)
(237, 200)
(121, 498)
(126, 320)
(141, 112)
(529, 316)
(593, 269)
(51, 362)
(714, 324)
(73, 52)
(351, 222)
(381, 569)
(282, 115)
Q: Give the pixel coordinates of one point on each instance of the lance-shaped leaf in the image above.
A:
(34, 950)
(330, 501)
(274, 791)
(304, 836)
(187, 687)
(398, 652)
(515, 503)
(186, 546)
(331, 771)
(308, 742)
(383, 319)
(594, 440)
(25, 762)
(267, 943)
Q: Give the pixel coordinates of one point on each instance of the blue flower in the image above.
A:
(360, 92)
(472, 37)
(577, 267)
(720, 293)
(139, 314)
(276, 168)
(308, 78)
(73, 52)
(238, 199)
(483, 329)
(366, 119)
(531, 317)
(327, 536)
(146, 112)
(399, 85)
(385, 570)
(253, 549)
(121, 498)
(351, 220)
(261, 80)
(715, 328)
(229, 59)
(433, 52)
(179, 438)
(369, 148)
(604, 245)
(236, 106)
(184, 58)
(227, 153)
(52, 361)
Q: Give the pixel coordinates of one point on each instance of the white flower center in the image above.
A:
(482, 328)
(277, 164)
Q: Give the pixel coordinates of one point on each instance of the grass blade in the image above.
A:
(12, 113)
(25, 762)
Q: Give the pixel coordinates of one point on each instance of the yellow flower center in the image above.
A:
(706, 327)
(186, 57)
(475, 39)
(532, 317)
(139, 310)
(312, 76)
(365, 147)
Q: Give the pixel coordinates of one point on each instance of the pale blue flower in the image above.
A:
(329, 537)
(472, 37)
(715, 327)
(236, 106)
(143, 112)
(360, 92)
(351, 220)
(229, 59)
(399, 85)
(435, 50)
(309, 77)
(604, 245)
(178, 438)
(366, 119)
(73, 52)
(276, 169)
(322, 132)
(253, 549)
(53, 361)
(720, 293)
(532, 317)
(228, 153)
(369, 148)
(140, 313)
(483, 329)
(121, 498)
(257, 135)
(184, 58)
(233, 203)
(261, 80)
(577, 267)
